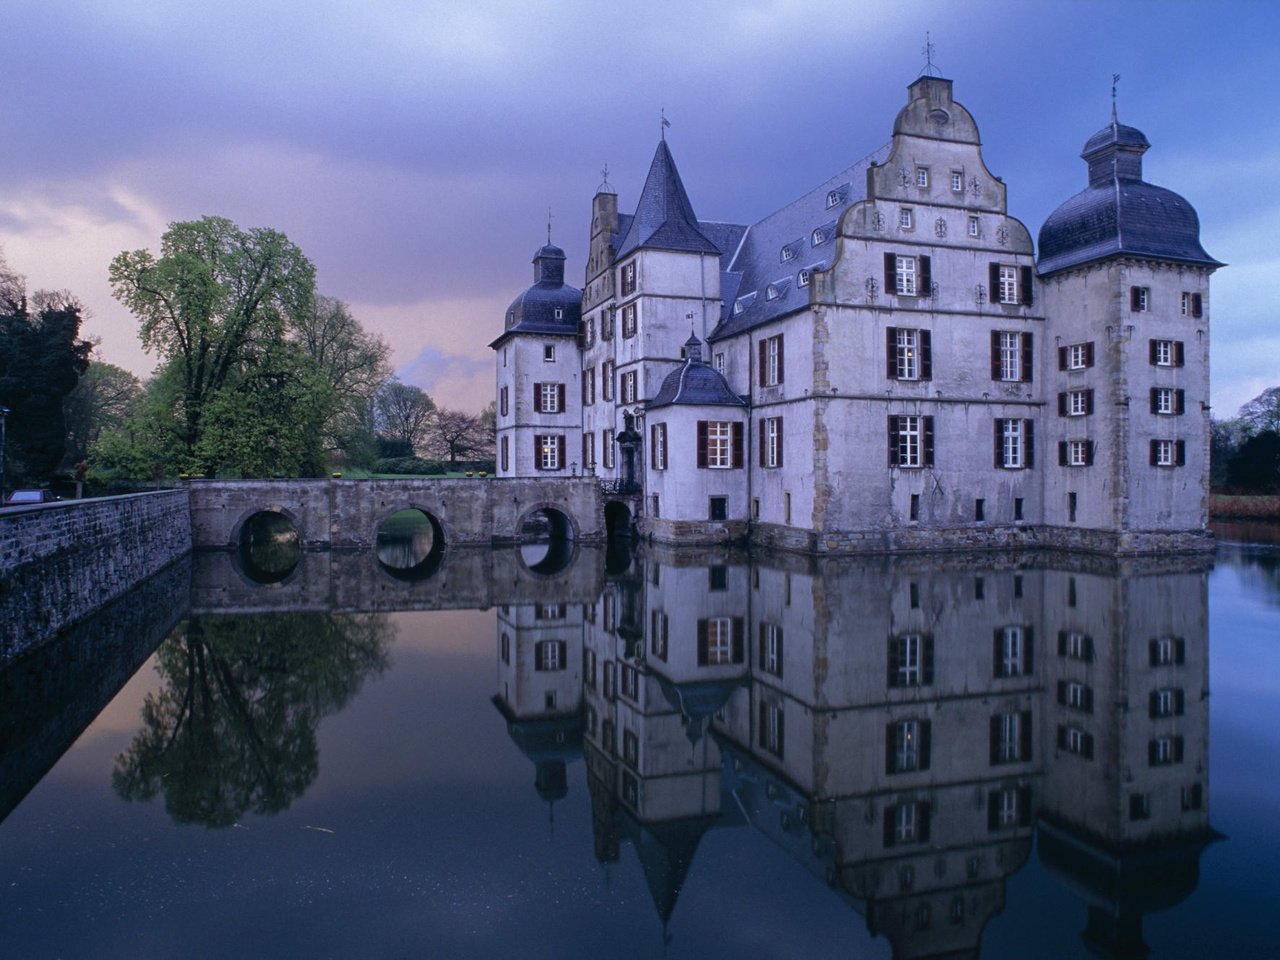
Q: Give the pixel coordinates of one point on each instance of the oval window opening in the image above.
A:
(546, 541)
(269, 547)
(409, 544)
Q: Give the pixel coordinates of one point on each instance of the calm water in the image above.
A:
(1027, 756)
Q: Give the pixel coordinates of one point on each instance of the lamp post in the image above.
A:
(4, 413)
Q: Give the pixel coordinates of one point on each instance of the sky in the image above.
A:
(413, 149)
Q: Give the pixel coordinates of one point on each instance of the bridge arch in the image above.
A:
(268, 544)
(548, 538)
(409, 542)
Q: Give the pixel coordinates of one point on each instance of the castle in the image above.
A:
(882, 364)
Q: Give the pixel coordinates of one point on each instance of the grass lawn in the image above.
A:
(1232, 505)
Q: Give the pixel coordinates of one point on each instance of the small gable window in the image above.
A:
(802, 278)
(818, 236)
(771, 292)
(787, 253)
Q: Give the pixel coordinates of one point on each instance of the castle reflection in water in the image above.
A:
(899, 727)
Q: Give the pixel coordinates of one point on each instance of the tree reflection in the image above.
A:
(233, 728)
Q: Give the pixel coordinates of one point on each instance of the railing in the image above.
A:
(620, 487)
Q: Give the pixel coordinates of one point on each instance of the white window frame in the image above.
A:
(660, 446)
(1075, 740)
(910, 441)
(629, 386)
(718, 362)
(719, 444)
(719, 641)
(905, 823)
(957, 181)
(1165, 453)
(1012, 444)
(607, 448)
(1077, 453)
(1075, 695)
(1009, 746)
(1164, 703)
(1012, 651)
(905, 276)
(908, 648)
(1164, 651)
(548, 353)
(1076, 647)
(773, 728)
(772, 369)
(549, 394)
(1077, 403)
(1077, 354)
(975, 227)
(907, 359)
(1143, 299)
(550, 655)
(906, 746)
(1010, 356)
(922, 177)
(1164, 750)
(772, 450)
(1008, 290)
(906, 218)
(1007, 810)
(549, 452)
(1166, 401)
(606, 380)
(1164, 353)
(771, 655)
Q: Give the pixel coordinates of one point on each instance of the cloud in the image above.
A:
(456, 382)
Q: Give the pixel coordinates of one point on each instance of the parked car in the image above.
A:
(20, 497)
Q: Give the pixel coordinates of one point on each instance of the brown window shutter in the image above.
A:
(702, 444)
(1088, 354)
(560, 406)
(1179, 354)
(893, 440)
(739, 639)
(891, 352)
(993, 279)
(780, 448)
(1089, 449)
(1027, 357)
(762, 377)
(1151, 352)
(926, 277)
(735, 432)
(1062, 453)
(537, 398)
(1133, 298)
(1180, 452)
(1197, 305)
(1024, 740)
(1027, 291)
(1062, 404)
(762, 463)
(890, 754)
(1155, 399)
(926, 355)
(537, 451)
(923, 754)
(782, 367)
(1179, 402)
(995, 354)
(890, 273)
(1029, 442)
(999, 442)
(653, 446)
(561, 457)
(702, 643)
(1155, 452)
(1088, 401)
(1062, 358)
(928, 441)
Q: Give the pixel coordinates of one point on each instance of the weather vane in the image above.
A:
(1115, 78)
(665, 123)
(929, 67)
(605, 186)
(548, 226)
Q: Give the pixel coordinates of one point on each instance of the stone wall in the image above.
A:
(61, 561)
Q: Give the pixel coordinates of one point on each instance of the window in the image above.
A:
(1007, 808)
(909, 354)
(630, 748)
(718, 508)
(910, 660)
(771, 370)
(907, 746)
(627, 279)
(549, 353)
(771, 649)
(957, 181)
(908, 823)
(1167, 652)
(548, 611)
(1168, 453)
(1192, 797)
(1139, 806)
(506, 455)
(1011, 356)
(906, 218)
(1075, 646)
(720, 641)
(588, 451)
(974, 227)
(606, 380)
(771, 292)
(788, 253)
(922, 176)
(1166, 353)
(786, 511)
(910, 441)
(629, 320)
(588, 386)
(772, 727)
(559, 313)
(589, 667)
(1077, 741)
(834, 198)
(1076, 356)
(907, 276)
(504, 401)
(654, 506)
(1012, 651)
(607, 448)
(1075, 453)
(719, 444)
(1169, 702)
(627, 388)
(658, 446)
(718, 362)
(548, 451)
(802, 278)
(1010, 737)
(659, 634)
(1075, 403)
(504, 647)
(1140, 299)
(630, 682)
(913, 512)
(590, 332)
(1072, 502)
(548, 655)
(1011, 284)
(606, 324)
(1166, 401)
(1015, 446)
(548, 398)
(771, 442)
(1075, 696)
(979, 510)
(1164, 750)
(1192, 305)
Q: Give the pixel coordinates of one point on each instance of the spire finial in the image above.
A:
(548, 226)
(605, 185)
(930, 69)
(662, 131)
(1115, 78)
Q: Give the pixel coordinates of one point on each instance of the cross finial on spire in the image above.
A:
(1115, 78)
(605, 186)
(662, 131)
(548, 226)
(930, 69)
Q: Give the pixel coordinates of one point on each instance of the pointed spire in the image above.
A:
(664, 217)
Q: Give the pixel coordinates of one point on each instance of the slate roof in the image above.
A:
(1119, 213)
(695, 384)
(757, 267)
(664, 217)
(534, 311)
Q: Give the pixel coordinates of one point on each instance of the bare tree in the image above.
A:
(456, 435)
(404, 413)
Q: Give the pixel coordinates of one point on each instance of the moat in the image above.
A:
(665, 754)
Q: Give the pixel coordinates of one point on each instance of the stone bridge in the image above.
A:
(342, 514)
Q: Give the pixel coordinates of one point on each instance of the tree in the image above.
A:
(102, 400)
(215, 302)
(404, 413)
(1256, 465)
(41, 360)
(455, 435)
(1262, 412)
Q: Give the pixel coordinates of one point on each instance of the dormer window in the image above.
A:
(738, 307)
(559, 313)
(802, 278)
(787, 253)
(818, 236)
(771, 292)
(834, 198)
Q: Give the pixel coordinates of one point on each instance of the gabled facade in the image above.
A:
(883, 365)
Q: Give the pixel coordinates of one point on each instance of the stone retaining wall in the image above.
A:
(59, 562)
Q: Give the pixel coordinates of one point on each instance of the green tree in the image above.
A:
(102, 400)
(1261, 413)
(233, 727)
(217, 301)
(41, 360)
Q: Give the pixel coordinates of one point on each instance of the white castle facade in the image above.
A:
(882, 364)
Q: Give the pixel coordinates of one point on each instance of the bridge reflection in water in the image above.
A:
(906, 730)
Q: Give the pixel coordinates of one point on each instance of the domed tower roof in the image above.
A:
(1119, 213)
(550, 306)
(695, 383)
